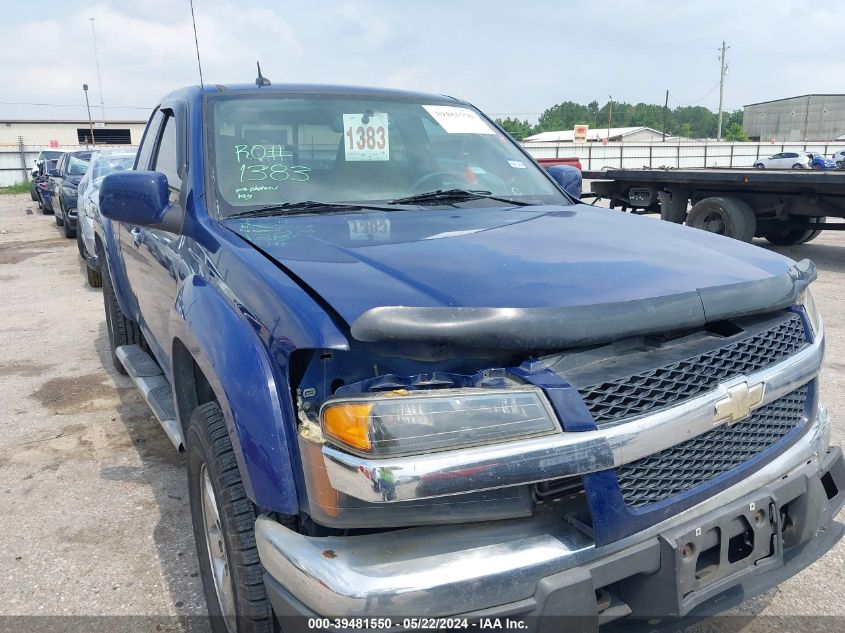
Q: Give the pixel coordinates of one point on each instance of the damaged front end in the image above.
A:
(454, 406)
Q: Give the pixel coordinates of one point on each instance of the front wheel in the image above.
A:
(798, 166)
(759, 166)
(121, 329)
(224, 528)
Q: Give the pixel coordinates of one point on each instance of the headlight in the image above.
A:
(806, 300)
(405, 422)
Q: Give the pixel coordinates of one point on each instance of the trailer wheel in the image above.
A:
(790, 237)
(726, 216)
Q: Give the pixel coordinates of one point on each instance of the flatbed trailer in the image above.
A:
(784, 206)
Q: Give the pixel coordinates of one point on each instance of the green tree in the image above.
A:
(516, 128)
(563, 116)
(685, 131)
(734, 132)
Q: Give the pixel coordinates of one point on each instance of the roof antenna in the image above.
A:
(261, 80)
(196, 44)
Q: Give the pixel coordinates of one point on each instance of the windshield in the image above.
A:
(278, 149)
(76, 166)
(105, 164)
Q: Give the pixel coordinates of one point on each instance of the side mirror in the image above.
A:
(140, 198)
(568, 178)
(53, 172)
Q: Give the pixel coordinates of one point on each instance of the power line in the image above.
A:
(73, 105)
(709, 92)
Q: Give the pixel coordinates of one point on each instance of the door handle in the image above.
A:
(137, 236)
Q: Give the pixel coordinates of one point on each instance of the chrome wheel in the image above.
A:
(216, 548)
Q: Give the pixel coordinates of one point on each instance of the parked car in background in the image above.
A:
(43, 155)
(819, 161)
(41, 180)
(88, 208)
(65, 179)
(839, 158)
(784, 160)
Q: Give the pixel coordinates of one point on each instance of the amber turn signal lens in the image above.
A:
(349, 423)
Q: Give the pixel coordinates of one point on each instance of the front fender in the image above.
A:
(233, 357)
(107, 232)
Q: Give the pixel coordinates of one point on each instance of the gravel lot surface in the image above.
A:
(94, 504)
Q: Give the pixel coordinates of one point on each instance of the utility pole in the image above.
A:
(99, 79)
(90, 123)
(724, 71)
(609, 116)
(665, 114)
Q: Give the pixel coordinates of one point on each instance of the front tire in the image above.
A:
(121, 329)
(798, 166)
(224, 528)
(726, 216)
(70, 231)
(759, 166)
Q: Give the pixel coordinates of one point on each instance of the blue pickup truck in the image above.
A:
(413, 376)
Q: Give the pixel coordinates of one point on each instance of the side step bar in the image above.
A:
(158, 393)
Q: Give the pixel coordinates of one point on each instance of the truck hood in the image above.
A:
(537, 276)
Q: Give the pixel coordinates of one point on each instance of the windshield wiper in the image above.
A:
(454, 195)
(305, 206)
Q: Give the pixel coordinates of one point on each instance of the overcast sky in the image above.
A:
(509, 58)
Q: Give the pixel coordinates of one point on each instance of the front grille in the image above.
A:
(702, 458)
(662, 387)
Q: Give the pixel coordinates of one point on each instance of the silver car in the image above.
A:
(784, 160)
(102, 163)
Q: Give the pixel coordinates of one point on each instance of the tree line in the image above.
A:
(686, 121)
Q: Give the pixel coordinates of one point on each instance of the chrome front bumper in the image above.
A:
(461, 569)
(565, 454)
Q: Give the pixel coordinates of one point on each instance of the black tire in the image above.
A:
(122, 330)
(80, 245)
(798, 166)
(209, 453)
(59, 219)
(791, 237)
(816, 166)
(759, 166)
(95, 279)
(724, 215)
(33, 194)
(70, 231)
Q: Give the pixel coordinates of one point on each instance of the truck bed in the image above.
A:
(760, 180)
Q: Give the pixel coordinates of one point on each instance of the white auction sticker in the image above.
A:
(516, 164)
(458, 120)
(366, 136)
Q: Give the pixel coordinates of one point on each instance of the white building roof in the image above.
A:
(593, 134)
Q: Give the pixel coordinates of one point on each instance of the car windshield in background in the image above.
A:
(76, 166)
(48, 154)
(105, 164)
(274, 149)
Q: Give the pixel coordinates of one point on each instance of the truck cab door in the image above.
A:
(151, 256)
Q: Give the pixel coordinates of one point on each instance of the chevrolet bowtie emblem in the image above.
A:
(740, 401)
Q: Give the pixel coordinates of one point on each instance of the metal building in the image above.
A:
(70, 134)
(814, 117)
